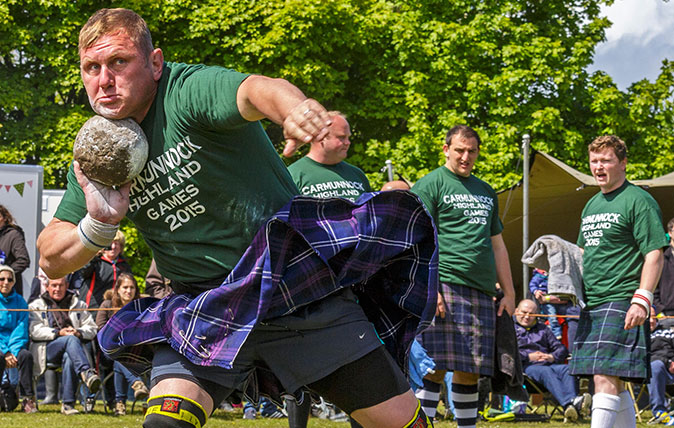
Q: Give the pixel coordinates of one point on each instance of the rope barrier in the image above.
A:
(59, 310)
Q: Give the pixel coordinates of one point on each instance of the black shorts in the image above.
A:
(300, 349)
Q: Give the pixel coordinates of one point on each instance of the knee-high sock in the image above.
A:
(429, 396)
(626, 417)
(605, 409)
(298, 414)
(465, 403)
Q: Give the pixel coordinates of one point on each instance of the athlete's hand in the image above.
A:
(507, 303)
(636, 315)
(104, 203)
(440, 309)
(308, 121)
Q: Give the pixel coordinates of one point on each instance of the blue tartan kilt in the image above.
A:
(604, 347)
(465, 339)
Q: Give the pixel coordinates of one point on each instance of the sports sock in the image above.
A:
(626, 417)
(429, 396)
(604, 410)
(465, 403)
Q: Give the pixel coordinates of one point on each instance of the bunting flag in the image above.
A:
(19, 187)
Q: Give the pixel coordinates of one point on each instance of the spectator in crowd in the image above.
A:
(662, 367)
(13, 252)
(663, 296)
(553, 305)
(100, 274)
(323, 172)
(472, 259)
(544, 360)
(156, 284)
(622, 241)
(14, 338)
(124, 291)
(57, 339)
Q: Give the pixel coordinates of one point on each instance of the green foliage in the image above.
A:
(403, 72)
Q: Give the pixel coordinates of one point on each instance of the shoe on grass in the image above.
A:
(120, 408)
(28, 405)
(68, 409)
(570, 413)
(140, 391)
(91, 380)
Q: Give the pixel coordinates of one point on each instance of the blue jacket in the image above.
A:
(539, 338)
(13, 325)
(538, 281)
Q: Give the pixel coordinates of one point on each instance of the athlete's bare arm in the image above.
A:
(503, 275)
(304, 119)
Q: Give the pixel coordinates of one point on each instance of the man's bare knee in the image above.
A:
(463, 378)
(185, 388)
(437, 377)
(395, 412)
(608, 384)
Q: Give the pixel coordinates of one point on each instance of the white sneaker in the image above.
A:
(249, 413)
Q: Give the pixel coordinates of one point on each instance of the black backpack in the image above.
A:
(8, 399)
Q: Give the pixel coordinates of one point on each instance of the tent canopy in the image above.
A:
(557, 196)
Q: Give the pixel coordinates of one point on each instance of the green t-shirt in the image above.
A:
(617, 230)
(341, 180)
(465, 211)
(211, 179)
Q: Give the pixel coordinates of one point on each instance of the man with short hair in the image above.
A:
(59, 322)
(323, 172)
(203, 131)
(622, 241)
(472, 259)
(544, 360)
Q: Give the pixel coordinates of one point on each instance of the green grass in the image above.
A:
(50, 417)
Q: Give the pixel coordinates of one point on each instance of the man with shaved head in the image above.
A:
(544, 357)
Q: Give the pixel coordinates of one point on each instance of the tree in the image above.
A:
(403, 72)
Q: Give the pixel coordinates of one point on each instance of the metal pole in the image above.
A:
(526, 139)
(389, 169)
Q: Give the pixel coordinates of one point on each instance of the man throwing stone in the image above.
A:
(211, 180)
(472, 258)
(622, 239)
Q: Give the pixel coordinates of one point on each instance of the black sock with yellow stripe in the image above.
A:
(174, 411)
(420, 419)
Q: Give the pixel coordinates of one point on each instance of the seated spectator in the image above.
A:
(124, 291)
(13, 252)
(57, 339)
(662, 368)
(100, 274)
(553, 305)
(543, 357)
(14, 338)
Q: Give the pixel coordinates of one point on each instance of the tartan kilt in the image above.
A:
(604, 347)
(465, 339)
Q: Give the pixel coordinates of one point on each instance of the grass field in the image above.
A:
(50, 417)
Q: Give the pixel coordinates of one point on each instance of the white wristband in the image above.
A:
(643, 298)
(95, 234)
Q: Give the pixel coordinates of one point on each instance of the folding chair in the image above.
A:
(548, 400)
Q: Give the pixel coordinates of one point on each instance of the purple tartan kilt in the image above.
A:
(603, 346)
(465, 339)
